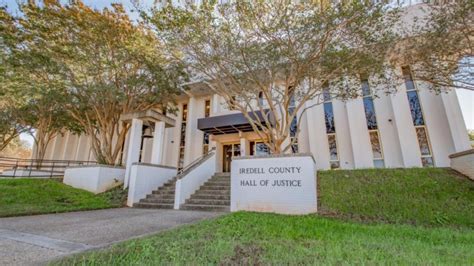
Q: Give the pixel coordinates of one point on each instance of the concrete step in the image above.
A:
(213, 191)
(163, 192)
(208, 202)
(197, 207)
(217, 183)
(160, 196)
(153, 205)
(157, 200)
(210, 196)
(206, 187)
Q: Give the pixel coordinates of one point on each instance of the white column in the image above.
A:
(455, 121)
(360, 140)
(406, 131)
(66, 141)
(194, 136)
(219, 156)
(344, 145)
(56, 148)
(215, 104)
(133, 153)
(244, 147)
(158, 143)
(437, 125)
(317, 137)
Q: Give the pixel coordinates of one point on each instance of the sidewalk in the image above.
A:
(33, 240)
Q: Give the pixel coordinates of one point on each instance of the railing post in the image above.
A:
(52, 169)
(31, 167)
(16, 167)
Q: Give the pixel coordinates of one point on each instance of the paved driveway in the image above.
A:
(33, 240)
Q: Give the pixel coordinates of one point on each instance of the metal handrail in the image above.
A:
(53, 167)
(182, 172)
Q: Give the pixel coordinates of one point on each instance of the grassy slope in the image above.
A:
(416, 196)
(373, 195)
(38, 196)
(250, 238)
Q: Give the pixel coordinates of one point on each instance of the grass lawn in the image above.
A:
(431, 197)
(414, 216)
(251, 238)
(39, 196)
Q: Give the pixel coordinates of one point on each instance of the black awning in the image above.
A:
(228, 124)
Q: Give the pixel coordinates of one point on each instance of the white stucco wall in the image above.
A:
(463, 162)
(145, 178)
(95, 179)
(190, 183)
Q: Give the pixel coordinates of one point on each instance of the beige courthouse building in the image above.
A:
(184, 155)
(411, 128)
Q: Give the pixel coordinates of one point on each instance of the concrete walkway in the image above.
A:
(33, 240)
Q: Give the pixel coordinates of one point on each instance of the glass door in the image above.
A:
(229, 151)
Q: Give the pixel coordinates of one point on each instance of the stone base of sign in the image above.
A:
(283, 184)
(96, 179)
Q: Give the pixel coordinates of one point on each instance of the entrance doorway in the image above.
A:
(229, 151)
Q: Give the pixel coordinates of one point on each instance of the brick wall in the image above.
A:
(463, 162)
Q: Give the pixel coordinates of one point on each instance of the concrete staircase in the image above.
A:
(214, 195)
(162, 198)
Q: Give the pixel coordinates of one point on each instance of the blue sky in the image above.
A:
(466, 98)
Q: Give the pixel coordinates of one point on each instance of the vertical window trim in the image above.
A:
(207, 113)
(379, 135)
(184, 122)
(415, 86)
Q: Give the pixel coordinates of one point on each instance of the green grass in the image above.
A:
(390, 216)
(40, 196)
(431, 197)
(251, 238)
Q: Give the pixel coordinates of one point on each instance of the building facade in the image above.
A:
(413, 127)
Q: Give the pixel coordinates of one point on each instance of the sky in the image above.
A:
(466, 98)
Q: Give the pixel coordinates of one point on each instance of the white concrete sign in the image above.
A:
(285, 184)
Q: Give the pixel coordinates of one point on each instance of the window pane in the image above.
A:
(332, 147)
(376, 147)
(335, 165)
(365, 88)
(293, 127)
(423, 141)
(326, 95)
(370, 113)
(427, 161)
(379, 163)
(415, 108)
(408, 79)
(329, 118)
(261, 149)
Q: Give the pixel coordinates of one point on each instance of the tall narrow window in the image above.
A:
(372, 126)
(293, 127)
(330, 130)
(205, 141)
(261, 100)
(418, 119)
(182, 140)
